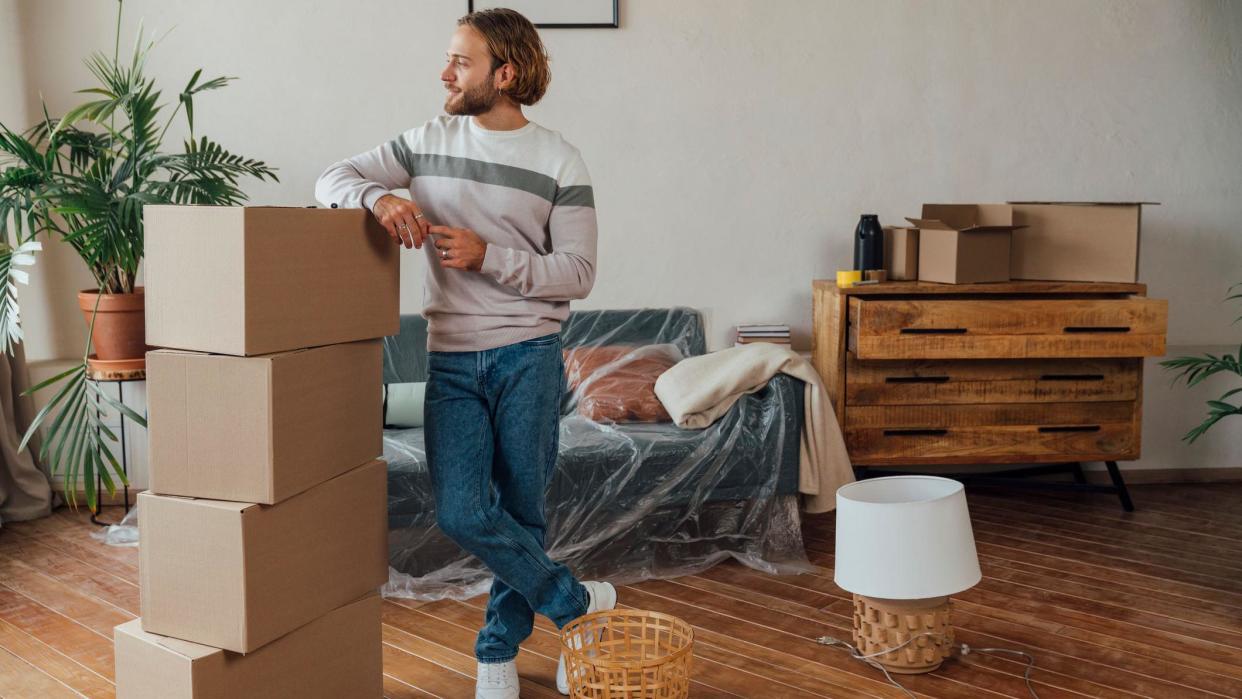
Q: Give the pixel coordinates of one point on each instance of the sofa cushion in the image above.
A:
(403, 404)
(616, 383)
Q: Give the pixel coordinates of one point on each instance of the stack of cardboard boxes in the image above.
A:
(1061, 241)
(263, 535)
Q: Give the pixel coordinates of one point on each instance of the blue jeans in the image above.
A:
(492, 420)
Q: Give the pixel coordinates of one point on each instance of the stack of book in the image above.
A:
(762, 332)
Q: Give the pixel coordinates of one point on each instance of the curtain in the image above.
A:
(25, 492)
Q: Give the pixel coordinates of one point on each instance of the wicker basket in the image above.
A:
(628, 654)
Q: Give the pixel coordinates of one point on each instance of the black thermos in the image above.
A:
(869, 243)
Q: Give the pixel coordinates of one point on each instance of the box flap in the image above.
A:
(956, 216)
(929, 223)
(1091, 203)
(990, 229)
(992, 215)
(216, 504)
(186, 649)
(169, 351)
(221, 357)
(968, 217)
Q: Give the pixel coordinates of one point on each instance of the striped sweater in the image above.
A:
(525, 192)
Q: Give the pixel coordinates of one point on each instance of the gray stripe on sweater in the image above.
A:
(433, 165)
(575, 195)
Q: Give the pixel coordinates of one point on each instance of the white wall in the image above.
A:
(733, 143)
(52, 322)
(12, 67)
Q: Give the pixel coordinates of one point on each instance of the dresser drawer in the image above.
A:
(1006, 328)
(961, 381)
(879, 435)
(998, 445)
(1000, 415)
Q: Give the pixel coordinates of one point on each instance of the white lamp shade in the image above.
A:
(905, 537)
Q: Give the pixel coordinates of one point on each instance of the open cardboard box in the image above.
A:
(257, 280)
(261, 429)
(1077, 241)
(339, 654)
(964, 243)
(237, 575)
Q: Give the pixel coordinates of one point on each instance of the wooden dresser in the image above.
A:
(1001, 373)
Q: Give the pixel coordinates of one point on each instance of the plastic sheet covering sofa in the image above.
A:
(627, 501)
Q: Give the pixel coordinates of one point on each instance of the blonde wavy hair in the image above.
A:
(512, 39)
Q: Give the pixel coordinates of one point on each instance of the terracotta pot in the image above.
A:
(120, 327)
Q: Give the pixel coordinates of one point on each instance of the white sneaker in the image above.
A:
(601, 596)
(497, 681)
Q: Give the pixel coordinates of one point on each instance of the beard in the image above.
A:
(473, 101)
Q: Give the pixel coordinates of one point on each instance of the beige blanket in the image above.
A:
(698, 390)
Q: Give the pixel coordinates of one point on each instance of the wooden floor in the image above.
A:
(1111, 605)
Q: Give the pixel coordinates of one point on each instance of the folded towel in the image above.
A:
(699, 390)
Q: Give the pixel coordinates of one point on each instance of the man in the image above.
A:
(505, 212)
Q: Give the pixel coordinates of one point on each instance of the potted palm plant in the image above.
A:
(1194, 369)
(84, 178)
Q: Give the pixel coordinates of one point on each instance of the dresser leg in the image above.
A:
(1120, 485)
(1079, 475)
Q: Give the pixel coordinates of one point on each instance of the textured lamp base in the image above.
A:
(887, 623)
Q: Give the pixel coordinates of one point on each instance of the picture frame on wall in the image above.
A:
(559, 14)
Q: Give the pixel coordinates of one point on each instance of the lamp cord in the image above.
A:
(965, 650)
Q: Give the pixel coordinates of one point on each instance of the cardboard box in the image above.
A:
(335, 656)
(964, 243)
(261, 429)
(257, 280)
(901, 253)
(1077, 241)
(240, 575)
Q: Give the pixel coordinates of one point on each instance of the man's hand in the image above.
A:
(403, 219)
(459, 248)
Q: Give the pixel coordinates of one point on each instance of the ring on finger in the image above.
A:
(418, 216)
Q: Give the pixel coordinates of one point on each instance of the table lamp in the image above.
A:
(904, 544)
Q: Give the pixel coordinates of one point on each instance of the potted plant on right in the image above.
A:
(1194, 369)
(84, 178)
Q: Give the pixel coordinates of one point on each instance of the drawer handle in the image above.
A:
(933, 331)
(1072, 377)
(1071, 428)
(916, 379)
(1097, 328)
(915, 433)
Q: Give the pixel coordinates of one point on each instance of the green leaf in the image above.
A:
(76, 430)
(10, 276)
(97, 465)
(54, 433)
(38, 419)
(54, 430)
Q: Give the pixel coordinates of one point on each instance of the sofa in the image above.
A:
(627, 501)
